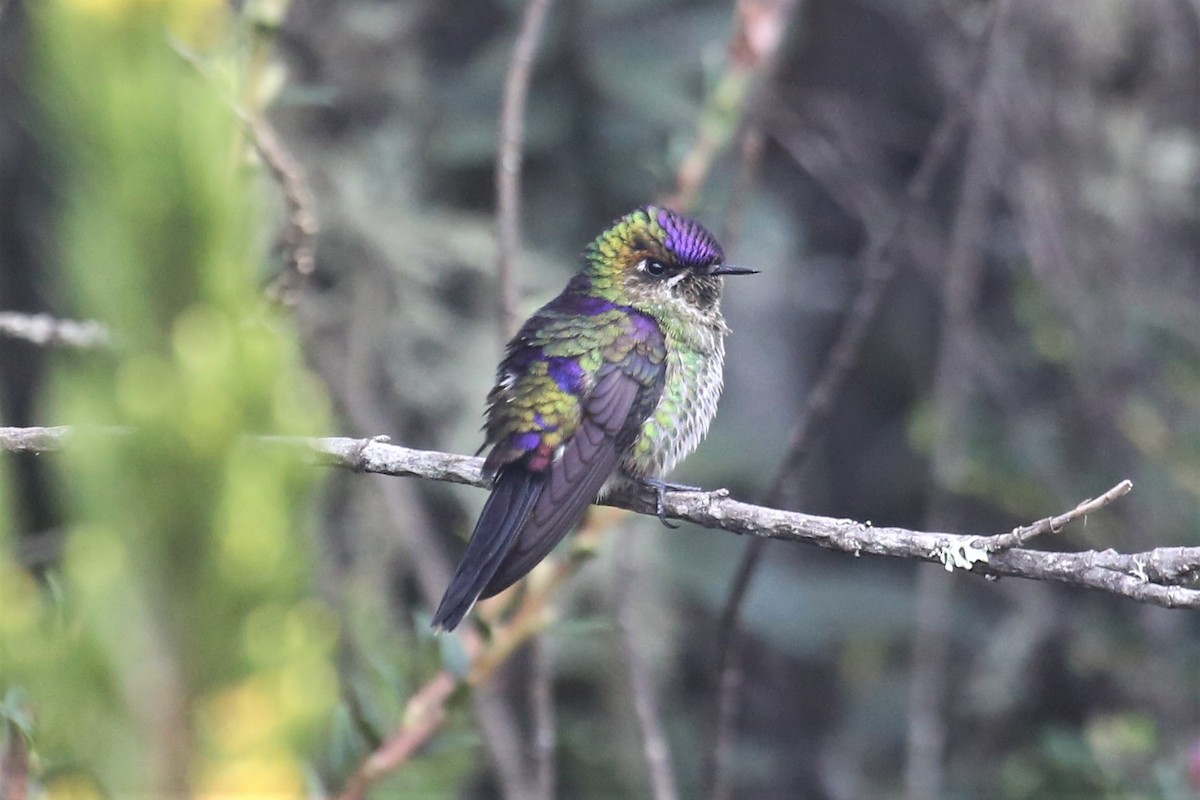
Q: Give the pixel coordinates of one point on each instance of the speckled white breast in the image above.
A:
(695, 362)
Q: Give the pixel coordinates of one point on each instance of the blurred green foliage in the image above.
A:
(1114, 757)
(180, 646)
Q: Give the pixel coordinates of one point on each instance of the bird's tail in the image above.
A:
(503, 516)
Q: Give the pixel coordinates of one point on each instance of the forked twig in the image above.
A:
(1018, 537)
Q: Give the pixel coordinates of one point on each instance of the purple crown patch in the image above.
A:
(690, 241)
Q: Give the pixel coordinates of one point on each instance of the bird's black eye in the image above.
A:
(655, 268)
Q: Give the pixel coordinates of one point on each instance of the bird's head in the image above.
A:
(656, 257)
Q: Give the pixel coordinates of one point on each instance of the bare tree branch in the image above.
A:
(750, 156)
(1152, 576)
(753, 51)
(509, 156)
(545, 727)
(1020, 536)
(508, 635)
(34, 440)
(656, 748)
(954, 387)
(925, 735)
(300, 232)
(877, 267)
(14, 763)
(502, 735)
(758, 33)
(43, 329)
(423, 715)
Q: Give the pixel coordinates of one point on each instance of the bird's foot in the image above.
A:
(660, 488)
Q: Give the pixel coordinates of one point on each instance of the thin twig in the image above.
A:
(545, 733)
(758, 32)
(14, 764)
(953, 389)
(486, 658)
(502, 736)
(1017, 537)
(300, 232)
(43, 329)
(655, 746)
(423, 716)
(509, 158)
(751, 154)
(925, 737)
(877, 266)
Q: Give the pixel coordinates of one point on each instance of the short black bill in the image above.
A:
(730, 269)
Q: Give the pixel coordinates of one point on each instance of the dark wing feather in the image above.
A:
(556, 433)
(575, 478)
(505, 512)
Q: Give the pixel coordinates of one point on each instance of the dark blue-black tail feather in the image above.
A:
(504, 515)
(530, 512)
(557, 510)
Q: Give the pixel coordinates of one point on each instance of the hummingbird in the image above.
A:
(611, 383)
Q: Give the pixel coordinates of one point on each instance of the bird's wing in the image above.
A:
(576, 477)
(556, 436)
(502, 518)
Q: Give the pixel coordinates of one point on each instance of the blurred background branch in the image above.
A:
(660, 765)
(509, 156)
(508, 160)
(878, 263)
(43, 329)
